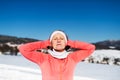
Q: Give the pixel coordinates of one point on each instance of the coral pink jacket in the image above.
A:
(53, 68)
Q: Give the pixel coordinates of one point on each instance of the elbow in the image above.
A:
(21, 48)
(92, 48)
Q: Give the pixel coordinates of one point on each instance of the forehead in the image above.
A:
(58, 35)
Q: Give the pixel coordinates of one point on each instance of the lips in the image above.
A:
(58, 44)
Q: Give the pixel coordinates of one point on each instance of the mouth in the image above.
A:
(58, 44)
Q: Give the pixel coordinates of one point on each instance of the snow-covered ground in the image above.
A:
(19, 68)
(111, 57)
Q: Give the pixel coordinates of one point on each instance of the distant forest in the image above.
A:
(15, 40)
(8, 44)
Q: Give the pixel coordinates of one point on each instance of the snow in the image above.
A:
(99, 57)
(19, 68)
(108, 53)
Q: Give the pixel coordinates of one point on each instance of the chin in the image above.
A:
(59, 50)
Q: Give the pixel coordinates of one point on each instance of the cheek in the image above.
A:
(53, 43)
(64, 43)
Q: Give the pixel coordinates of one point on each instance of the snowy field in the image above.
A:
(19, 68)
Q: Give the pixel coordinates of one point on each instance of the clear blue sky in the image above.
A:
(84, 20)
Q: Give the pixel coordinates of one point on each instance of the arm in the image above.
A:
(85, 50)
(28, 50)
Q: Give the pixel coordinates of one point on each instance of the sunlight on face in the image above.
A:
(58, 42)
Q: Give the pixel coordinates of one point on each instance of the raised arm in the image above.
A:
(29, 50)
(85, 49)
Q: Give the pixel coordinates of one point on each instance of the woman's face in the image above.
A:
(58, 42)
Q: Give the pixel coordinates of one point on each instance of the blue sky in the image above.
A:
(84, 20)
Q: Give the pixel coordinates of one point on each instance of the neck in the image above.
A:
(58, 50)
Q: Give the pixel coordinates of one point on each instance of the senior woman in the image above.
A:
(59, 60)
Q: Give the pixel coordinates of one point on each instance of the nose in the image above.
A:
(58, 40)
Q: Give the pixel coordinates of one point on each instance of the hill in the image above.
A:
(108, 44)
(8, 44)
(15, 40)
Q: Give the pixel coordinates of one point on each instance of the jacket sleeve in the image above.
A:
(85, 49)
(28, 50)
